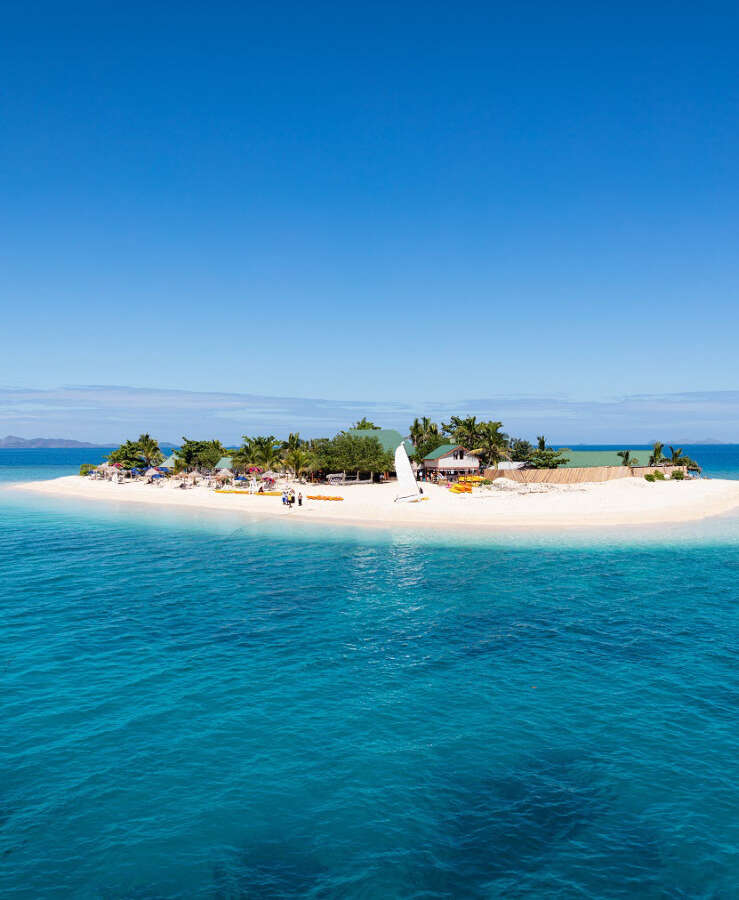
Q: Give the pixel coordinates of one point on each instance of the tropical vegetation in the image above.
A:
(195, 455)
(546, 457)
(139, 454)
(363, 453)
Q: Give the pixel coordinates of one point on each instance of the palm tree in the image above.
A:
(267, 456)
(628, 459)
(541, 442)
(243, 458)
(422, 430)
(364, 424)
(656, 456)
(293, 441)
(149, 450)
(298, 461)
(678, 458)
(492, 443)
(464, 431)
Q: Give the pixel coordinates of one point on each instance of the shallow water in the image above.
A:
(199, 705)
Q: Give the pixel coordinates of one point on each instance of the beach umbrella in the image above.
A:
(223, 474)
(151, 472)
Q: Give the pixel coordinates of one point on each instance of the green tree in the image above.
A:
(521, 450)
(541, 442)
(349, 453)
(463, 431)
(426, 446)
(127, 455)
(423, 430)
(492, 443)
(264, 451)
(678, 458)
(138, 454)
(656, 457)
(268, 457)
(299, 461)
(198, 454)
(293, 441)
(627, 459)
(149, 449)
(548, 458)
(364, 424)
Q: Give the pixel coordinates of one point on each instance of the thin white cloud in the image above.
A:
(105, 413)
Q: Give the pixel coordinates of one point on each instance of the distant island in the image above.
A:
(11, 442)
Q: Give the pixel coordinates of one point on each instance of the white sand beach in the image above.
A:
(629, 501)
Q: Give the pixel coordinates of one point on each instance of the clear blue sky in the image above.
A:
(309, 199)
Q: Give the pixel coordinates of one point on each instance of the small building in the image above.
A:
(225, 462)
(451, 460)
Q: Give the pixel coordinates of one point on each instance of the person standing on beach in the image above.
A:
(300, 499)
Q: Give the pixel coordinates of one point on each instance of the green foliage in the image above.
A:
(423, 431)
(425, 447)
(678, 458)
(541, 442)
(86, 468)
(138, 454)
(198, 454)
(656, 456)
(299, 461)
(492, 444)
(650, 476)
(364, 424)
(463, 431)
(659, 476)
(520, 450)
(347, 453)
(547, 458)
(678, 475)
(425, 436)
(484, 439)
(264, 451)
(293, 441)
(627, 459)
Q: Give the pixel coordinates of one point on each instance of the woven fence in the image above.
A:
(578, 475)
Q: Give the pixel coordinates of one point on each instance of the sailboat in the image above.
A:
(409, 492)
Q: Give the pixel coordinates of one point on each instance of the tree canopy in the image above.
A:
(364, 424)
(139, 454)
(349, 453)
(520, 449)
(545, 457)
(199, 454)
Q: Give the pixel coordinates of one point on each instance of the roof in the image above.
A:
(443, 450)
(588, 459)
(389, 438)
(169, 462)
(225, 462)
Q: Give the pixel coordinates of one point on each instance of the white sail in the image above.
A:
(407, 484)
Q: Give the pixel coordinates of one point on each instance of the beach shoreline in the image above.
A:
(624, 502)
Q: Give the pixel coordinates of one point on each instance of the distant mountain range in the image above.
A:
(11, 442)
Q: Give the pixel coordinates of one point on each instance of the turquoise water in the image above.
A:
(210, 707)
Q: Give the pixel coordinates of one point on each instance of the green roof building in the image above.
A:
(389, 438)
(441, 451)
(225, 462)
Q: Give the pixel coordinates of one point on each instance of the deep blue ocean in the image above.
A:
(198, 705)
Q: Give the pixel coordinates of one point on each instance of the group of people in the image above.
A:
(289, 498)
